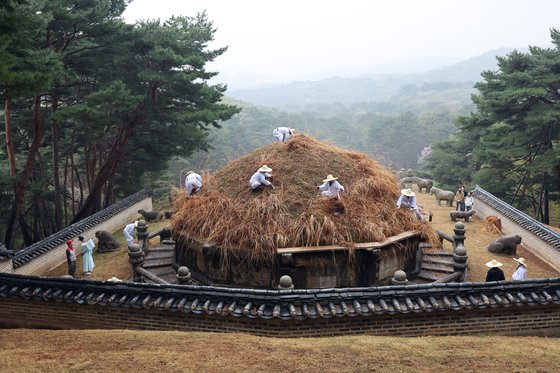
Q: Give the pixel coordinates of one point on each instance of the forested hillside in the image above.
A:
(455, 80)
(393, 132)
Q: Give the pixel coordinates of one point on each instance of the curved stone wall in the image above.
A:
(529, 307)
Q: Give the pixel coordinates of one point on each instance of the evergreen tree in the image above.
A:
(514, 132)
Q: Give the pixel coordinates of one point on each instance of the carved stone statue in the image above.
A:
(150, 215)
(406, 182)
(461, 215)
(106, 242)
(423, 184)
(443, 195)
(505, 245)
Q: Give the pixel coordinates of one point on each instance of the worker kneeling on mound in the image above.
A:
(408, 200)
(331, 187)
(260, 179)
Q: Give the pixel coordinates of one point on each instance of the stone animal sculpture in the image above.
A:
(406, 182)
(422, 184)
(151, 215)
(505, 245)
(106, 242)
(443, 195)
(461, 215)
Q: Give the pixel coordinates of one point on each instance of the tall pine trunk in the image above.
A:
(9, 142)
(21, 184)
(55, 129)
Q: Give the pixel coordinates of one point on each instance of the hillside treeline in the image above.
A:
(510, 143)
(93, 106)
(393, 134)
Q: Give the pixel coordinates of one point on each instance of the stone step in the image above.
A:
(438, 260)
(157, 263)
(430, 276)
(159, 255)
(159, 249)
(439, 253)
(436, 268)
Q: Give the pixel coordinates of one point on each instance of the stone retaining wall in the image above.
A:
(530, 307)
(535, 321)
(547, 251)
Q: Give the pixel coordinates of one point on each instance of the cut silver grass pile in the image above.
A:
(253, 225)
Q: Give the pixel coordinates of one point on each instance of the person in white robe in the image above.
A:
(283, 134)
(260, 178)
(407, 200)
(521, 271)
(193, 183)
(128, 232)
(331, 187)
(87, 255)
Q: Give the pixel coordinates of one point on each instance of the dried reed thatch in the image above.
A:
(493, 224)
(229, 215)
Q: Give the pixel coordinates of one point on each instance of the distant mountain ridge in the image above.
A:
(366, 88)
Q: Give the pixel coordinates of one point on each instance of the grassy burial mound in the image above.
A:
(228, 214)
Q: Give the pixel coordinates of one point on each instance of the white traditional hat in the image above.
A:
(493, 263)
(330, 178)
(521, 261)
(292, 131)
(265, 168)
(136, 224)
(408, 192)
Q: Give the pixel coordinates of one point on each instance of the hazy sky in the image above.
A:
(280, 41)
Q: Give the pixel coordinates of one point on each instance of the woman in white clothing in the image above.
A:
(469, 201)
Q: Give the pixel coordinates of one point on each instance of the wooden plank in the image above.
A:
(366, 245)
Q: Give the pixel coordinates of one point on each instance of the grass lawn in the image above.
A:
(24, 350)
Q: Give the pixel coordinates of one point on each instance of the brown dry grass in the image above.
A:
(127, 351)
(228, 214)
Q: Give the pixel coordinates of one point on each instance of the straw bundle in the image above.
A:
(240, 222)
(493, 224)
